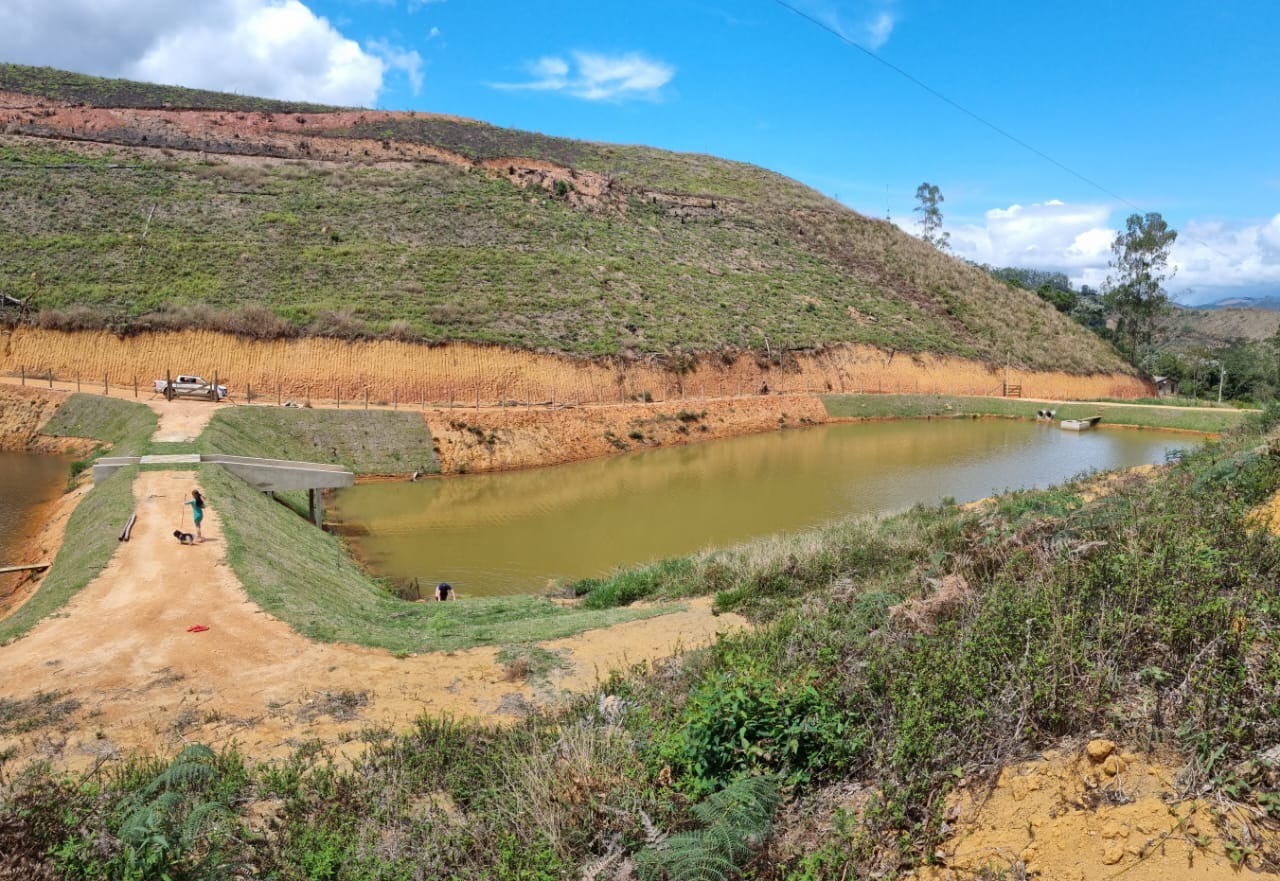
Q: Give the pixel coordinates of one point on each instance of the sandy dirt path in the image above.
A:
(180, 421)
(121, 649)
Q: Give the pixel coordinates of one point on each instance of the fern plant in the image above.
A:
(173, 831)
(735, 821)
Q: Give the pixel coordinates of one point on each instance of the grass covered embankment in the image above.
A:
(87, 547)
(1209, 421)
(364, 441)
(893, 658)
(303, 576)
(123, 427)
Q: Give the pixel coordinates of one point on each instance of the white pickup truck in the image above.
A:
(185, 385)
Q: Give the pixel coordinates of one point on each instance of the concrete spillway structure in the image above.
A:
(268, 475)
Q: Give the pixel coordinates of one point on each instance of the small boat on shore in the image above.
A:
(1080, 424)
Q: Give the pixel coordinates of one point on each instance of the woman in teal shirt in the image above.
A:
(197, 511)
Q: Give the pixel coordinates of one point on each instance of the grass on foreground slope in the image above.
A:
(364, 441)
(90, 541)
(922, 406)
(893, 658)
(124, 426)
(302, 576)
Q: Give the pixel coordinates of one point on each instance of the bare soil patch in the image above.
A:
(414, 376)
(181, 421)
(143, 681)
(1094, 813)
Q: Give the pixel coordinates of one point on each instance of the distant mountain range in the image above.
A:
(1270, 302)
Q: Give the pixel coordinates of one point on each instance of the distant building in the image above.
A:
(1165, 387)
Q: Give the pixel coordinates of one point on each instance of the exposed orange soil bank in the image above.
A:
(407, 373)
(1093, 814)
(121, 649)
(499, 439)
(22, 412)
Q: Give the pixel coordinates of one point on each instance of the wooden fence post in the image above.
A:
(279, 394)
(395, 397)
(77, 382)
(366, 397)
(248, 393)
(50, 377)
(337, 390)
(22, 374)
(104, 384)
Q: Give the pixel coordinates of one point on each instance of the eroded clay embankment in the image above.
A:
(22, 412)
(413, 374)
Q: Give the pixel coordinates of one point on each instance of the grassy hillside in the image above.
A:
(1214, 328)
(63, 85)
(620, 250)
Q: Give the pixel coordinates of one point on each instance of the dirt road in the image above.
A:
(122, 651)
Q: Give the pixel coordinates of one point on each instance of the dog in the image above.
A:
(186, 538)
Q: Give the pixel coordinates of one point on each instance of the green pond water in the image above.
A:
(511, 533)
(26, 482)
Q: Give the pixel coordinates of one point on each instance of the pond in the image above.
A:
(26, 482)
(514, 532)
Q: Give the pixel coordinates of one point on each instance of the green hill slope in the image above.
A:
(273, 219)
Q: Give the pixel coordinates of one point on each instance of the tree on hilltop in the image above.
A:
(929, 198)
(1135, 295)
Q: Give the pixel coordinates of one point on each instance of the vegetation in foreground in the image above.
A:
(952, 406)
(899, 654)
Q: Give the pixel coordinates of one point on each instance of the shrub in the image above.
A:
(744, 719)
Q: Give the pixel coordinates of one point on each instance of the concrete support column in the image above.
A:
(317, 510)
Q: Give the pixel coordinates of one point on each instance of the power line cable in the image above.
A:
(835, 32)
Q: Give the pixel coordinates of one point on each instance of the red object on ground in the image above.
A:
(197, 628)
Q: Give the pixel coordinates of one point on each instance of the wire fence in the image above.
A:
(487, 393)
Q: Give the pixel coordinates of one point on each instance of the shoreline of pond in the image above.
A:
(520, 532)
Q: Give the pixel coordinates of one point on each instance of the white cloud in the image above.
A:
(879, 29)
(268, 48)
(869, 24)
(1051, 235)
(595, 77)
(1211, 260)
(407, 61)
(1217, 260)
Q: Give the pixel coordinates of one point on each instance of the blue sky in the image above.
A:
(1169, 106)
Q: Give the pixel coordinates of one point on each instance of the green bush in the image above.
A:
(742, 719)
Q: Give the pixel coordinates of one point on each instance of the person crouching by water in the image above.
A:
(444, 591)
(197, 504)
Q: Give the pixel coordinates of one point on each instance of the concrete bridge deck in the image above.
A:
(268, 475)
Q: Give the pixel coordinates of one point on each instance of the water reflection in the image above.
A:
(26, 481)
(510, 533)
